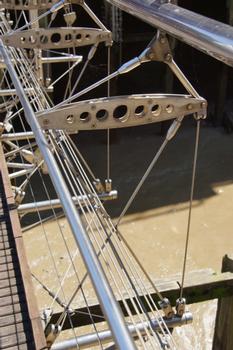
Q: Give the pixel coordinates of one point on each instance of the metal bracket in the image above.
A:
(120, 112)
(159, 48)
(54, 38)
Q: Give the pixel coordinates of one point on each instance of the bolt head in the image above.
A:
(162, 40)
(45, 122)
(189, 107)
(168, 57)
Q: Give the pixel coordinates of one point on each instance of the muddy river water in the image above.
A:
(156, 224)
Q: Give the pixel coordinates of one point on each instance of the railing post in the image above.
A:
(223, 335)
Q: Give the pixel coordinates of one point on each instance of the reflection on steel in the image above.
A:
(62, 59)
(205, 34)
(91, 340)
(121, 112)
(56, 203)
(27, 5)
(57, 38)
(10, 92)
(104, 292)
(17, 136)
(19, 173)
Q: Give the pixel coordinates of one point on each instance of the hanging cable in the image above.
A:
(190, 207)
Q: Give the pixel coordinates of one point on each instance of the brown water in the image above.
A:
(156, 225)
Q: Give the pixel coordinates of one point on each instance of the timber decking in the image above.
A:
(20, 324)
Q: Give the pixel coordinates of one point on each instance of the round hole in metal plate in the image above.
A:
(139, 111)
(156, 110)
(169, 109)
(88, 37)
(84, 116)
(102, 115)
(22, 39)
(79, 37)
(55, 38)
(70, 119)
(120, 112)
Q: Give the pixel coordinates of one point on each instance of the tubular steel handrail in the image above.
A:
(205, 34)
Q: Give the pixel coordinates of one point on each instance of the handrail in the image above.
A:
(205, 34)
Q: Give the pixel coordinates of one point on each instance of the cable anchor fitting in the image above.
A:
(167, 308)
(180, 306)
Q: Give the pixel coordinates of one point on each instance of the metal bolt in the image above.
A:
(45, 121)
(203, 105)
(162, 40)
(151, 55)
(189, 107)
(168, 57)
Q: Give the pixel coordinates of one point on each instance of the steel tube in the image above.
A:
(207, 35)
(56, 203)
(10, 92)
(103, 290)
(90, 340)
(20, 165)
(17, 136)
(62, 59)
(46, 60)
(19, 173)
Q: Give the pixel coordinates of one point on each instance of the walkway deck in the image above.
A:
(20, 324)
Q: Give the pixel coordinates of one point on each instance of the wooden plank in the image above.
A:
(8, 291)
(7, 252)
(4, 238)
(199, 286)
(9, 282)
(8, 257)
(12, 299)
(13, 309)
(13, 329)
(12, 319)
(4, 260)
(28, 346)
(6, 267)
(13, 340)
(9, 273)
(7, 244)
